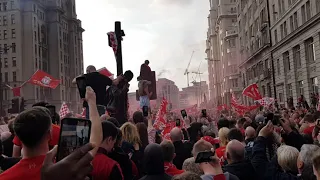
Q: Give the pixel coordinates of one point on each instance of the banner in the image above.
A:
(266, 101)
(64, 110)
(252, 91)
(113, 41)
(160, 122)
(105, 71)
(43, 79)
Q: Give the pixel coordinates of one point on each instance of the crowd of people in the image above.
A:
(261, 145)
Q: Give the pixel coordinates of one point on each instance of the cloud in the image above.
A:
(163, 31)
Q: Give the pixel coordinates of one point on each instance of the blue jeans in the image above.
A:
(101, 111)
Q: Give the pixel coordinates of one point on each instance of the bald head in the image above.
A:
(176, 134)
(235, 151)
(91, 69)
(250, 132)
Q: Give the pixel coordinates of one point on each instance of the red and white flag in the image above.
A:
(64, 110)
(43, 79)
(252, 91)
(106, 72)
(160, 122)
(113, 41)
(266, 101)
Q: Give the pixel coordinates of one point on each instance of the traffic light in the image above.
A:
(22, 104)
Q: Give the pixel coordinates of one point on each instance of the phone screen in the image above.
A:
(184, 113)
(74, 133)
(178, 122)
(204, 157)
(204, 112)
(52, 109)
(145, 110)
(81, 83)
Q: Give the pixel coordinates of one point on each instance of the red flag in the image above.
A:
(160, 122)
(105, 71)
(252, 91)
(16, 91)
(41, 78)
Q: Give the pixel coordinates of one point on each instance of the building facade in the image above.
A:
(168, 89)
(196, 94)
(295, 28)
(254, 38)
(223, 51)
(43, 35)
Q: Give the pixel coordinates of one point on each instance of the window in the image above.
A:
(310, 54)
(308, 10)
(295, 20)
(285, 29)
(5, 62)
(289, 2)
(5, 22)
(286, 61)
(12, 5)
(36, 49)
(281, 99)
(234, 82)
(291, 24)
(314, 85)
(280, 7)
(274, 12)
(300, 87)
(275, 36)
(13, 48)
(318, 6)
(281, 31)
(5, 34)
(13, 19)
(289, 89)
(278, 67)
(6, 77)
(14, 61)
(303, 13)
(13, 33)
(35, 36)
(5, 6)
(14, 76)
(297, 56)
(5, 48)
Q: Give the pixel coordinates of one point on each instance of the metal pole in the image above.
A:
(119, 34)
(1, 92)
(271, 54)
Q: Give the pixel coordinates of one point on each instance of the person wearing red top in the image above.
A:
(33, 128)
(223, 137)
(168, 154)
(55, 133)
(105, 168)
(309, 119)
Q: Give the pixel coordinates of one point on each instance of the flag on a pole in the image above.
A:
(43, 79)
(64, 110)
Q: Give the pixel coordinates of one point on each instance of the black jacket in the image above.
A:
(7, 162)
(243, 170)
(124, 162)
(183, 152)
(267, 170)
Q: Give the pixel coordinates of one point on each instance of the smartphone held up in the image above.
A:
(74, 133)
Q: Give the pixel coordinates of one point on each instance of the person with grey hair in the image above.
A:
(190, 166)
(304, 162)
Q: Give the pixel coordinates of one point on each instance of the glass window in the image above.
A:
(13, 19)
(289, 88)
(308, 10)
(295, 20)
(285, 29)
(297, 56)
(14, 76)
(300, 87)
(13, 33)
(13, 48)
(310, 54)
(14, 61)
(6, 77)
(5, 6)
(286, 61)
(291, 24)
(5, 35)
(303, 13)
(12, 5)
(5, 22)
(278, 67)
(314, 85)
(5, 62)
(275, 36)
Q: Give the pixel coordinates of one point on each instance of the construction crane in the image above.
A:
(186, 72)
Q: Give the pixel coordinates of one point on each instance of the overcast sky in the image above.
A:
(162, 31)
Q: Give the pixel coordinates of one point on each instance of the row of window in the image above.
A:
(4, 20)
(294, 22)
(314, 85)
(257, 70)
(5, 34)
(4, 6)
(310, 56)
(6, 48)
(5, 62)
(6, 77)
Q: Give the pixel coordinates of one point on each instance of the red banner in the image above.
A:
(252, 91)
(160, 122)
(43, 79)
(105, 71)
(16, 91)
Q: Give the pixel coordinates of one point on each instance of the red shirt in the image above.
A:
(55, 134)
(309, 130)
(29, 169)
(103, 167)
(171, 169)
(221, 154)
